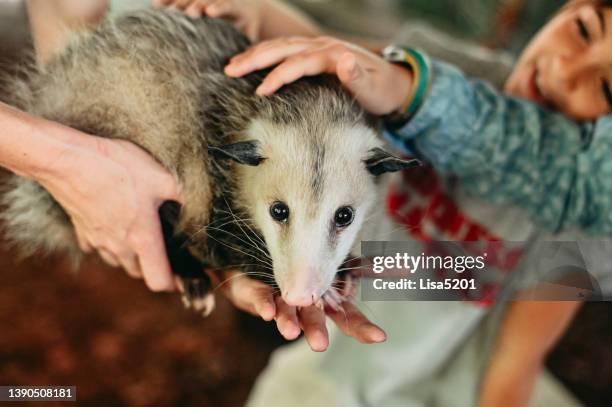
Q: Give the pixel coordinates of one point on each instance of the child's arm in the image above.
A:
(529, 331)
(512, 151)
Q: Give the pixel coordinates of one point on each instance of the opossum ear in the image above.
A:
(380, 162)
(243, 152)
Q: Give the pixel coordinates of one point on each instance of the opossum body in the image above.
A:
(156, 78)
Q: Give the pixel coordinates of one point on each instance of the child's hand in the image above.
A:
(258, 299)
(244, 14)
(379, 86)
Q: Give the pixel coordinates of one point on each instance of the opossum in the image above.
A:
(277, 185)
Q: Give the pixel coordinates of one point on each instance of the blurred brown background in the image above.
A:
(123, 345)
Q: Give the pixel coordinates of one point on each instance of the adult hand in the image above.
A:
(112, 190)
(245, 15)
(379, 86)
(257, 298)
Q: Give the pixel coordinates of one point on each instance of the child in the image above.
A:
(501, 148)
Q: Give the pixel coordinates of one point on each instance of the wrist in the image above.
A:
(402, 90)
(59, 150)
(419, 66)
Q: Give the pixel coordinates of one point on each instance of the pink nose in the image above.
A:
(296, 298)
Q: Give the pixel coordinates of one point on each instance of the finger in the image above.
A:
(354, 76)
(251, 296)
(353, 323)
(221, 8)
(259, 297)
(287, 320)
(293, 69)
(194, 10)
(152, 256)
(108, 257)
(312, 320)
(197, 9)
(82, 241)
(129, 262)
(181, 4)
(161, 3)
(350, 72)
(171, 190)
(265, 55)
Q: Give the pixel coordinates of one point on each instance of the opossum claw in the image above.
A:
(333, 299)
(195, 295)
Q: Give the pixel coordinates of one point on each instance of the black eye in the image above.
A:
(344, 216)
(584, 32)
(279, 212)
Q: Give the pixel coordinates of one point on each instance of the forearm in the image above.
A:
(509, 382)
(282, 20)
(529, 331)
(34, 147)
(50, 21)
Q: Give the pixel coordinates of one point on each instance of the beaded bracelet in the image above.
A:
(420, 66)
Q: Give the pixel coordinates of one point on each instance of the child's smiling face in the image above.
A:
(567, 66)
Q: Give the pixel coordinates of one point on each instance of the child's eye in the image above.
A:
(582, 29)
(605, 88)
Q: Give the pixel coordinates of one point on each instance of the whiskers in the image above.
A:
(235, 233)
(264, 277)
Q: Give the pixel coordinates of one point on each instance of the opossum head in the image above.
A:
(307, 181)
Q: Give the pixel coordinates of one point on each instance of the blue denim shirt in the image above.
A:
(508, 150)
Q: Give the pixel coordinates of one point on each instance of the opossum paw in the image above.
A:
(333, 299)
(195, 295)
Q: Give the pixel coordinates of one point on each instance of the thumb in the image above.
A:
(171, 189)
(351, 74)
(154, 259)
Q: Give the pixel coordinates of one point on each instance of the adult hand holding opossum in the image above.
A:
(379, 86)
(111, 190)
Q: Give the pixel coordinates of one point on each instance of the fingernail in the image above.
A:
(212, 11)
(292, 331)
(262, 90)
(321, 342)
(378, 336)
(193, 13)
(268, 312)
(230, 69)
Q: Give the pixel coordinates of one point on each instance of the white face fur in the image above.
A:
(309, 198)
